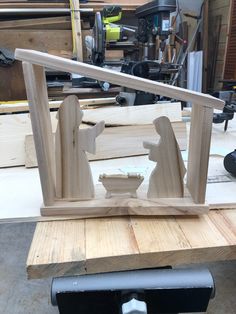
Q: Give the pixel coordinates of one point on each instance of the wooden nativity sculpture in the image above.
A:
(73, 174)
(65, 175)
(166, 179)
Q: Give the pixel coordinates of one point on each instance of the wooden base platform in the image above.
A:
(123, 206)
(111, 244)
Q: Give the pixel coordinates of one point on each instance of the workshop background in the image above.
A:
(204, 33)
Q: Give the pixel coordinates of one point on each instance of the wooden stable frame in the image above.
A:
(200, 135)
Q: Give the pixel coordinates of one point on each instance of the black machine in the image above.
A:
(143, 57)
(151, 291)
(224, 117)
(230, 104)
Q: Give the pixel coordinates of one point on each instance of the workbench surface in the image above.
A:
(101, 245)
(66, 247)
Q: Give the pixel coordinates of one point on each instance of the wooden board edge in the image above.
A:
(107, 208)
(133, 261)
(55, 269)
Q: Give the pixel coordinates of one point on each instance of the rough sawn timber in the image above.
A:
(113, 244)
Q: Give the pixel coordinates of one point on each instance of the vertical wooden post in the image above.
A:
(36, 89)
(76, 30)
(199, 149)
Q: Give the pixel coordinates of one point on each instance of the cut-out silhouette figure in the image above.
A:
(73, 173)
(166, 179)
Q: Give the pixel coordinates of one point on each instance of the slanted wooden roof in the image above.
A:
(122, 79)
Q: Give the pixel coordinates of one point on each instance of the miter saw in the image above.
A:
(143, 56)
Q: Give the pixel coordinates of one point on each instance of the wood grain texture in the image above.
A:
(123, 206)
(117, 78)
(60, 22)
(12, 107)
(113, 244)
(133, 115)
(199, 149)
(45, 40)
(73, 173)
(17, 144)
(76, 30)
(66, 235)
(36, 89)
(166, 179)
(114, 142)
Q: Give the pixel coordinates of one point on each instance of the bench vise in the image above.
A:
(150, 291)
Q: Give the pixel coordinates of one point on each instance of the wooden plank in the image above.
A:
(199, 148)
(11, 107)
(167, 231)
(102, 240)
(144, 243)
(76, 30)
(66, 235)
(202, 233)
(118, 78)
(133, 115)
(60, 22)
(13, 86)
(114, 142)
(225, 221)
(123, 206)
(36, 89)
(44, 40)
(96, 6)
(15, 139)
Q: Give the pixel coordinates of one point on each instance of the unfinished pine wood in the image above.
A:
(36, 88)
(132, 115)
(17, 144)
(205, 103)
(166, 179)
(44, 40)
(114, 142)
(60, 22)
(121, 183)
(199, 148)
(76, 29)
(65, 237)
(108, 237)
(12, 107)
(118, 78)
(123, 205)
(130, 243)
(73, 173)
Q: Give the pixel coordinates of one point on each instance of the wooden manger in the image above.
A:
(177, 200)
